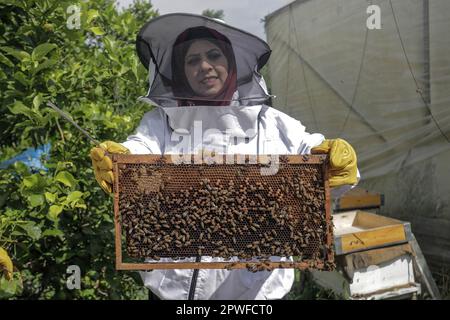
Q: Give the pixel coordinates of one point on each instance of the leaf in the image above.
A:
(8, 289)
(98, 91)
(80, 205)
(20, 108)
(18, 233)
(44, 65)
(63, 165)
(22, 78)
(110, 44)
(6, 61)
(42, 50)
(29, 181)
(34, 182)
(21, 168)
(74, 200)
(66, 178)
(37, 101)
(36, 200)
(74, 196)
(51, 197)
(19, 55)
(54, 212)
(97, 31)
(91, 15)
(32, 230)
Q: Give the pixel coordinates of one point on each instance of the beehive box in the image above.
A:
(361, 230)
(242, 209)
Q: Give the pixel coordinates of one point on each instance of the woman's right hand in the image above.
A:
(102, 164)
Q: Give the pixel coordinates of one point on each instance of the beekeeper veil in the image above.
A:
(226, 96)
(162, 45)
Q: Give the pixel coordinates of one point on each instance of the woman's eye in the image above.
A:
(214, 55)
(193, 61)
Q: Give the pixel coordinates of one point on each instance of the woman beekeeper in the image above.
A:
(209, 95)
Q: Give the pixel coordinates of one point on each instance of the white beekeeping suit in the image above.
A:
(244, 126)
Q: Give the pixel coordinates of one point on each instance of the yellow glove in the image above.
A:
(343, 162)
(6, 265)
(103, 164)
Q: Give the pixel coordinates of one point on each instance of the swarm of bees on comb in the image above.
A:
(231, 213)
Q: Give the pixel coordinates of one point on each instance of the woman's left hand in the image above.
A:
(343, 161)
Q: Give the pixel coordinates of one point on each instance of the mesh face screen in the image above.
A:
(230, 211)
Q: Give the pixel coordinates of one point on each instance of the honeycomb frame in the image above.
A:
(235, 221)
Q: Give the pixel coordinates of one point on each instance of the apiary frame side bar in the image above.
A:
(117, 225)
(293, 159)
(328, 216)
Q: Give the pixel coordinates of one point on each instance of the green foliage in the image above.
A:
(211, 13)
(60, 217)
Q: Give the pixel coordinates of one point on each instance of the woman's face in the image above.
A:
(206, 68)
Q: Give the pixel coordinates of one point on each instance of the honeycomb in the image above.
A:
(231, 211)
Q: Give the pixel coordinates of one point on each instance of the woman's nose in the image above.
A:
(205, 65)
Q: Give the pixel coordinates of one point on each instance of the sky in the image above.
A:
(242, 14)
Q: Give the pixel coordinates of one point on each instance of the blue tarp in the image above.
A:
(31, 158)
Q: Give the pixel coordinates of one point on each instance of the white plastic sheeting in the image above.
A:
(387, 91)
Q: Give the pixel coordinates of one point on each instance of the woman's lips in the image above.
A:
(209, 80)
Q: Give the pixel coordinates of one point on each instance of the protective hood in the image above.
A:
(163, 47)
(162, 39)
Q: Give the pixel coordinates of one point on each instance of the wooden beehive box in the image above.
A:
(360, 230)
(236, 208)
(359, 198)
